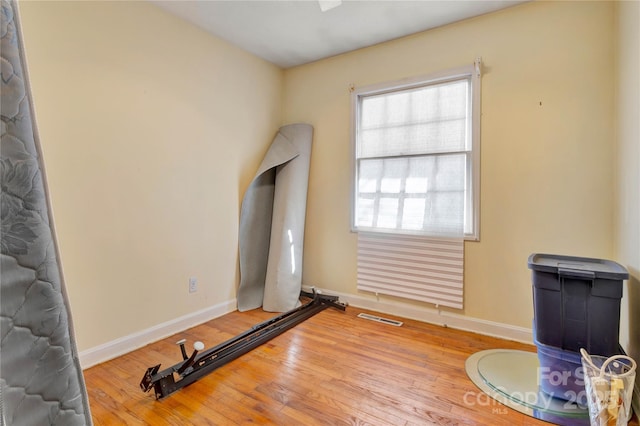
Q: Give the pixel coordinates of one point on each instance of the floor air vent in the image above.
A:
(380, 319)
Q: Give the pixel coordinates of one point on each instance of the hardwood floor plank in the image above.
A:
(333, 369)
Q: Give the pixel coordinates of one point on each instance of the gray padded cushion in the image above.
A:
(41, 379)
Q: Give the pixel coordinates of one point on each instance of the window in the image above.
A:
(416, 155)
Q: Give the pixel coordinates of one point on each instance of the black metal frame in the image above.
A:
(199, 364)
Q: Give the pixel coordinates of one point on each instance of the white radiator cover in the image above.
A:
(412, 267)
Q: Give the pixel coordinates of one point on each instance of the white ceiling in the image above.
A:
(293, 32)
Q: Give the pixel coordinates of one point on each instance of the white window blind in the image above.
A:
(412, 267)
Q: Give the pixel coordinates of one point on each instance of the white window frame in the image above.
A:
(473, 195)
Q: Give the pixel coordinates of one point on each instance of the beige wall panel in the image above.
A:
(547, 126)
(151, 129)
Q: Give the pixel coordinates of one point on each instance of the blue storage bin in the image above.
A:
(561, 374)
(576, 302)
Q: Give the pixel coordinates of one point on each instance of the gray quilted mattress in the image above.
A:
(41, 379)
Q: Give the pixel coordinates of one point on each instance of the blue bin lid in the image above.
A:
(577, 266)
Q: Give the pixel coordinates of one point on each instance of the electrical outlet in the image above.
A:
(193, 285)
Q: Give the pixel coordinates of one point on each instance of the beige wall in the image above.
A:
(627, 171)
(151, 130)
(547, 145)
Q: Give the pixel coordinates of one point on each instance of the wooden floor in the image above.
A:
(333, 369)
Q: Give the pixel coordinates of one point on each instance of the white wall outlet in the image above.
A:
(193, 284)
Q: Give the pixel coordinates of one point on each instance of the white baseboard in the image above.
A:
(126, 344)
(436, 316)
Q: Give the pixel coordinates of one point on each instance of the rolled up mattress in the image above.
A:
(272, 222)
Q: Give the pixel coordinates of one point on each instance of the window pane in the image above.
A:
(388, 213)
(450, 172)
(365, 212)
(369, 173)
(431, 189)
(413, 214)
(445, 212)
(417, 176)
(393, 175)
(370, 169)
(367, 185)
(416, 185)
(391, 185)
